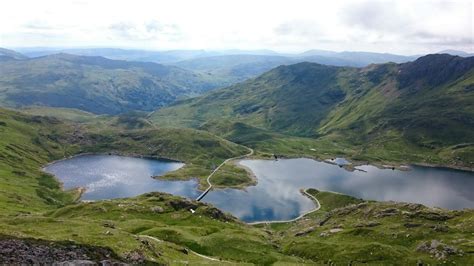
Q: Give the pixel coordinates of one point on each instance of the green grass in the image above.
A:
(125, 219)
(370, 235)
(34, 206)
(231, 175)
(331, 200)
(75, 115)
(383, 114)
(27, 143)
(97, 84)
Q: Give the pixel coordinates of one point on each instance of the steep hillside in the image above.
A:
(386, 110)
(95, 84)
(276, 100)
(428, 101)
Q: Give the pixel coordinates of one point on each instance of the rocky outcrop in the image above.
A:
(39, 252)
(179, 204)
(437, 249)
(218, 214)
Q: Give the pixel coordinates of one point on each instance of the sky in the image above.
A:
(403, 27)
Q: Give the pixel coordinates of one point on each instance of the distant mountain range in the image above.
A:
(163, 57)
(235, 68)
(103, 85)
(227, 67)
(95, 84)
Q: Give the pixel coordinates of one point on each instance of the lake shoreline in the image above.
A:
(253, 178)
(124, 154)
(305, 193)
(402, 166)
(80, 190)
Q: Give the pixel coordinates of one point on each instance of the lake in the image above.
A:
(111, 176)
(277, 195)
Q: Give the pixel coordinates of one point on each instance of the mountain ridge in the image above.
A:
(420, 105)
(96, 84)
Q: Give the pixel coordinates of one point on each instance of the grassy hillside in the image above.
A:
(352, 230)
(276, 100)
(158, 228)
(413, 112)
(153, 227)
(96, 84)
(29, 142)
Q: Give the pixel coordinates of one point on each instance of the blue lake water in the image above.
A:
(277, 195)
(111, 176)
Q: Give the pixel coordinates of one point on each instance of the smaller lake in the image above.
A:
(111, 176)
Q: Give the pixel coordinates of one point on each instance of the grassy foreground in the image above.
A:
(158, 228)
(349, 230)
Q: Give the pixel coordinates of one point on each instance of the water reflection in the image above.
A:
(277, 196)
(110, 176)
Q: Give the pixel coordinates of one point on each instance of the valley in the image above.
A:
(378, 117)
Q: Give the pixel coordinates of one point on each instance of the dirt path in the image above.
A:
(193, 252)
(208, 179)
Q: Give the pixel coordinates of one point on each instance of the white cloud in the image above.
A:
(408, 27)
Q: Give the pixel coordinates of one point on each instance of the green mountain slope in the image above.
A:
(276, 100)
(385, 110)
(95, 84)
(428, 101)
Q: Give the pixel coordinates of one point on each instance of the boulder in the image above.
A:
(438, 249)
(157, 209)
(305, 232)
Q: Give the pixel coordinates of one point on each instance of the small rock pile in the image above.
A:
(437, 249)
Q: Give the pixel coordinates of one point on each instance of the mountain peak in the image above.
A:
(434, 69)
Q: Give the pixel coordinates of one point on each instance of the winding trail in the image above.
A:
(251, 151)
(193, 252)
(208, 179)
(297, 218)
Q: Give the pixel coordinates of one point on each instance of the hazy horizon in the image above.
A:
(398, 27)
(224, 51)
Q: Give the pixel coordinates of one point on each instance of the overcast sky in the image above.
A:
(405, 27)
